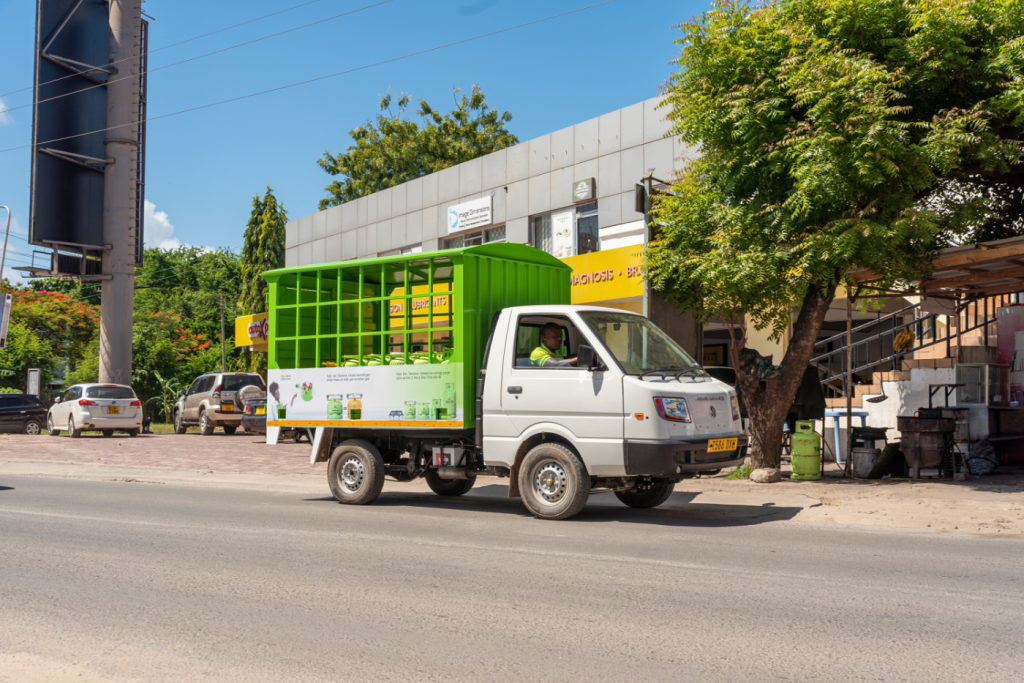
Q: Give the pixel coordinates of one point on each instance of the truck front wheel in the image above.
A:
(449, 487)
(356, 473)
(553, 482)
(649, 496)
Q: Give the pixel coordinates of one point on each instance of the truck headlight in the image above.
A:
(735, 406)
(672, 409)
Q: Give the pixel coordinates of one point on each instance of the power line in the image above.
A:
(244, 43)
(335, 74)
(170, 45)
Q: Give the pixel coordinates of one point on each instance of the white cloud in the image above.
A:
(157, 228)
(5, 118)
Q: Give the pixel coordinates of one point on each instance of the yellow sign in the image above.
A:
(607, 275)
(252, 330)
(442, 305)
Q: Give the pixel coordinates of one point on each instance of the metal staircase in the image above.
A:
(874, 351)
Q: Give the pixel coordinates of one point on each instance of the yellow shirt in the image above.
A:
(542, 354)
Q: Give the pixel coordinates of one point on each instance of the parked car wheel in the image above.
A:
(133, 432)
(553, 482)
(50, 428)
(108, 432)
(179, 425)
(33, 427)
(205, 426)
(448, 487)
(73, 432)
(229, 429)
(356, 472)
(647, 497)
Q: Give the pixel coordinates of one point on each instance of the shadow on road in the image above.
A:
(679, 510)
(6, 488)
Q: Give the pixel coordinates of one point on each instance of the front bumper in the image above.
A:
(681, 456)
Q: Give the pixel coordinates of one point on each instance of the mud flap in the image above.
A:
(321, 450)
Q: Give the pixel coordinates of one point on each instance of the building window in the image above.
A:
(566, 232)
(472, 239)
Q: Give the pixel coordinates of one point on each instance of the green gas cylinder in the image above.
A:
(805, 449)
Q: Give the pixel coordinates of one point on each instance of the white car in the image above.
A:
(104, 408)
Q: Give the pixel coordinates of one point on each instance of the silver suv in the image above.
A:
(212, 401)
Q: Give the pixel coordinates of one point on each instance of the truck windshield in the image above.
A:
(639, 345)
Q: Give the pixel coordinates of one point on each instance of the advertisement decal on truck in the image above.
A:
(367, 396)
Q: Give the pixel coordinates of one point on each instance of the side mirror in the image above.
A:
(585, 357)
(56, 400)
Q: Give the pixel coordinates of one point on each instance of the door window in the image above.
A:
(545, 342)
(72, 394)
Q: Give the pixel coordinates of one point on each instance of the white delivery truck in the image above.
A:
(425, 365)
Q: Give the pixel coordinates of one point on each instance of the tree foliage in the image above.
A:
(834, 134)
(262, 250)
(392, 149)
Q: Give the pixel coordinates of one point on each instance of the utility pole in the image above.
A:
(223, 341)
(120, 193)
(7, 232)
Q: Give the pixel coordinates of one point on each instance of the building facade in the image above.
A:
(570, 193)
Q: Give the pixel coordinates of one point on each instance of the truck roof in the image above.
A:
(502, 250)
(566, 308)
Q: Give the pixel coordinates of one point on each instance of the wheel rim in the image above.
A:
(550, 482)
(49, 423)
(177, 420)
(351, 473)
(32, 428)
(71, 424)
(204, 422)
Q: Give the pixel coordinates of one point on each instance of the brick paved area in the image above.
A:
(239, 453)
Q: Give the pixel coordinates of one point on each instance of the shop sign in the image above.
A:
(252, 330)
(475, 213)
(420, 306)
(609, 275)
(583, 190)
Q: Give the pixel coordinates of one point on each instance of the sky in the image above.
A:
(203, 167)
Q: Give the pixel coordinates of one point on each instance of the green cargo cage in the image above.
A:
(413, 309)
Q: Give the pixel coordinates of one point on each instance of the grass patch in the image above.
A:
(741, 472)
(161, 427)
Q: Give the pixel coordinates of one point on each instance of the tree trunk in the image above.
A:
(768, 401)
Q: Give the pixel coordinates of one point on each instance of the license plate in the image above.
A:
(113, 410)
(722, 445)
(227, 407)
(261, 410)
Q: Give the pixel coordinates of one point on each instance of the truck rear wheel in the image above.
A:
(356, 473)
(553, 482)
(449, 487)
(650, 496)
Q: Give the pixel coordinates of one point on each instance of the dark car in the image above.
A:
(22, 413)
(254, 416)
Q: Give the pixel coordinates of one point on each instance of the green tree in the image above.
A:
(262, 250)
(391, 149)
(833, 134)
(25, 349)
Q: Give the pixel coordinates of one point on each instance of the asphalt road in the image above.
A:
(142, 581)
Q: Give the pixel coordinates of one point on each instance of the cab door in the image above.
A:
(584, 406)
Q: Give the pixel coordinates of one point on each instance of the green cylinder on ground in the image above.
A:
(805, 449)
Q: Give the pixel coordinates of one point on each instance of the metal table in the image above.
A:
(835, 414)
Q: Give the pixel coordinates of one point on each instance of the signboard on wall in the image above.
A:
(475, 213)
(563, 233)
(583, 190)
(608, 275)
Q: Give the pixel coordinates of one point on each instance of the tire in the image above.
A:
(650, 496)
(229, 429)
(448, 487)
(133, 432)
(72, 431)
(205, 426)
(356, 473)
(33, 427)
(108, 432)
(49, 426)
(553, 483)
(179, 424)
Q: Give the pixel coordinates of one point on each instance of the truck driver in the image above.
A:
(549, 353)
